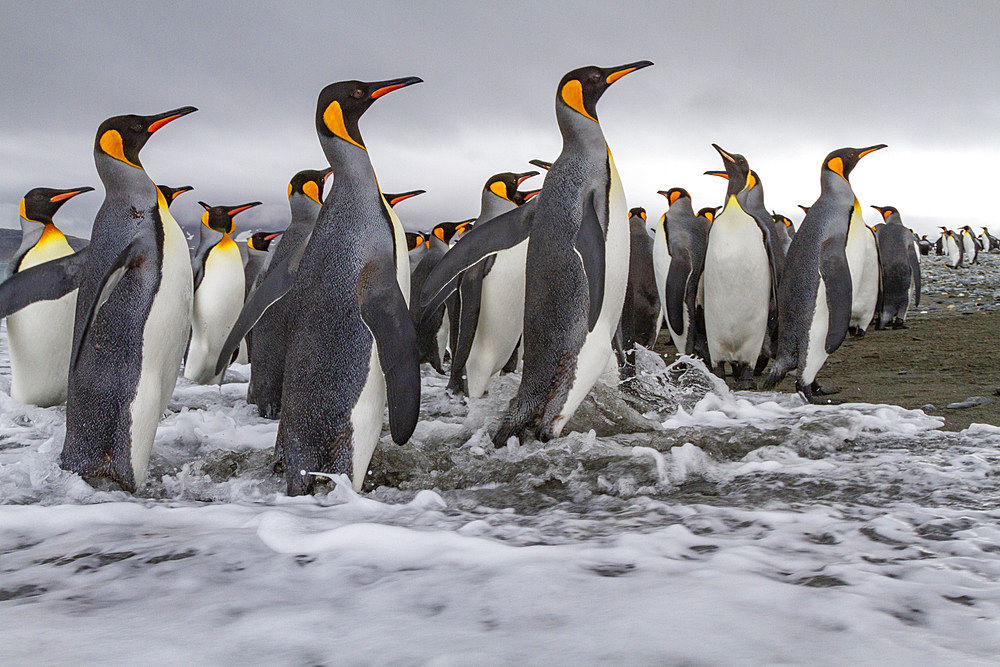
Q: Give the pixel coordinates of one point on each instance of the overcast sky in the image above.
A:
(783, 83)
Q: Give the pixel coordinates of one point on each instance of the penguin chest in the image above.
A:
(51, 245)
(737, 287)
(217, 304)
(661, 263)
(862, 261)
(401, 258)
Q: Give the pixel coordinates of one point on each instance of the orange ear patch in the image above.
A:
(572, 95)
(836, 165)
(111, 144)
(333, 118)
(499, 189)
(311, 190)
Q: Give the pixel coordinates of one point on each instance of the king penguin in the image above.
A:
(219, 290)
(265, 310)
(641, 315)
(970, 249)
(433, 332)
(900, 268)
(133, 313)
(952, 248)
(258, 254)
(574, 282)
(738, 277)
(351, 346)
(814, 301)
(170, 194)
(866, 280)
(39, 307)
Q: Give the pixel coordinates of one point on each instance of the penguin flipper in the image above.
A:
(590, 246)
(484, 239)
(836, 277)
(275, 284)
(384, 312)
(142, 247)
(914, 262)
(677, 284)
(43, 282)
(208, 240)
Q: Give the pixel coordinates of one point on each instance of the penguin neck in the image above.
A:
(353, 167)
(833, 184)
(31, 233)
(438, 244)
(491, 206)
(304, 210)
(124, 182)
(680, 209)
(578, 132)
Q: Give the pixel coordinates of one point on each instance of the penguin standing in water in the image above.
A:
(433, 331)
(219, 290)
(738, 278)
(351, 344)
(133, 313)
(900, 269)
(866, 280)
(40, 306)
(641, 314)
(687, 235)
(265, 310)
(952, 248)
(970, 249)
(814, 300)
(577, 247)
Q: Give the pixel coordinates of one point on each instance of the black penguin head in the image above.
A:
(843, 160)
(580, 89)
(414, 240)
(309, 182)
(170, 194)
(737, 172)
(445, 231)
(523, 197)
(709, 212)
(122, 137)
(220, 218)
(341, 104)
(394, 199)
(40, 204)
(779, 219)
(504, 185)
(261, 241)
(886, 211)
(638, 211)
(673, 194)
(541, 164)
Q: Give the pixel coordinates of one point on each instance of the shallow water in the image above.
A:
(731, 528)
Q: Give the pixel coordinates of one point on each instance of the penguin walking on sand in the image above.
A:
(970, 249)
(814, 300)
(40, 306)
(577, 248)
(133, 313)
(924, 245)
(433, 331)
(990, 242)
(687, 236)
(738, 278)
(866, 280)
(219, 291)
(265, 311)
(900, 269)
(641, 313)
(351, 344)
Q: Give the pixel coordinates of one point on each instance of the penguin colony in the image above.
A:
(337, 315)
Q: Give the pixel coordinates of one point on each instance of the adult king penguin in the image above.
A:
(738, 277)
(900, 269)
(641, 313)
(814, 301)
(133, 313)
(687, 235)
(953, 248)
(433, 331)
(258, 254)
(351, 343)
(219, 290)
(577, 248)
(39, 307)
(970, 249)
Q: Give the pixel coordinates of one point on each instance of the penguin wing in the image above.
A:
(914, 262)
(141, 248)
(590, 246)
(677, 286)
(273, 286)
(208, 240)
(43, 282)
(384, 312)
(836, 276)
(483, 239)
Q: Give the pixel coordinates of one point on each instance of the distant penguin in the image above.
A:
(133, 313)
(784, 231)
(351, 347)
(990, 242)
(738, 277)
(575, 285)
(924, 245)
(814, 301)
(900, 269)
(219, 290)
(416, 245)
(862, 258)
(687, 236)
(433, 332)
(258, 247)
(952, 248)
(266, 311)
(641, 314)
(970, 250)
(40, 306)
(170, 194)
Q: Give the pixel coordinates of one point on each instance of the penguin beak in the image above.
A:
(720, 174)
(239, 209)
(327, 173)
(159, 120)
(181, 190)
(528, 196)
(521, 178)
(69, 194)
(612, 74)
(272, 236)
(404, 196)
(725, 156)
(541, 163)
(386, 87)
(871, 149)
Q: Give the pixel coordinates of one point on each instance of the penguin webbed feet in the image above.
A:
(816, 394)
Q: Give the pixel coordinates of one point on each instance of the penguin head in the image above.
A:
(261, 241)
(580, 89)
(886, 211)
(504, 185)
(737, 172)
(341, 104)
(170, 194)
(445, 231)
(523, 197)
(843, 160)
(40, 204)
(392, 200)
(122, 137)
(309, 183)
(779, 219)
(709, 212)
(674, 194)
(414, 240)
(638, 211)
(220, 218)
(541, 164)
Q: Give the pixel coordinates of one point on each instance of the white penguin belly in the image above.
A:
(163, 340)
(661, 269)
(443, 336)
(401, 258)
(596, 351)
(819, 327)
(862, 260)
(40, 340)
(501, 318)
(217, 304)
(954, 252)
(366, 420)
(737, 287)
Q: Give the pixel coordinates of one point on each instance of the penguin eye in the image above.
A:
(595, 77)
(358, 94)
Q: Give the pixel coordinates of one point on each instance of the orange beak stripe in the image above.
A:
(619, 74)
(64, 196)
(163, 121)
(240, 209)
(386, 90)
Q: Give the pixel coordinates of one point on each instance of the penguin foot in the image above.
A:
(823, 391)
(858, 333)
(745, 384)
(899, 324)
(811, 396)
